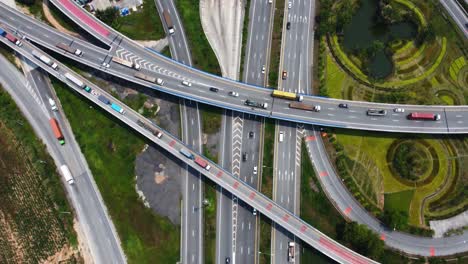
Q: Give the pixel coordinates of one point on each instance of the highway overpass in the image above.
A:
(454, 118)
(237, 187)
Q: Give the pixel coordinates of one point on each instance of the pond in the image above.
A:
(367, 26)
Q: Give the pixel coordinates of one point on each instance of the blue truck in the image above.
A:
(117, 108)
(104, 99)
(2, 32)
(186, 153)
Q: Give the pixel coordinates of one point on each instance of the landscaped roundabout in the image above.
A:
(397, 51)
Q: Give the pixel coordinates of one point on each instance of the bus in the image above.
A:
(287, 95)
(167, 18)
(423, 116)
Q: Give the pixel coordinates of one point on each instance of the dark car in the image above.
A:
(228, 260)
(343, 105)
(288, 25)
(214, 89)
(284, 75)
(251, 134)
(244, 156)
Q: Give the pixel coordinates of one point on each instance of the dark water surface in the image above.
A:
(365, 28)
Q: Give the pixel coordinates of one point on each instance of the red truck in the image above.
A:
(202, 163)
(424, 116)
(13, 39)
(56, 129)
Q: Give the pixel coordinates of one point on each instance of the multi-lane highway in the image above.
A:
(454, 118)
(242, 137)
(243, 191)
(295, 76)
(192, 188)
(32, 98)
(350, 208)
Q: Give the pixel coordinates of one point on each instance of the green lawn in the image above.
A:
(275, 51)
(110, 149)
(210, 222)
(203, 56)
(334, 78)
(36, 218)
(144, 24)
(399, 201)
(268, 148)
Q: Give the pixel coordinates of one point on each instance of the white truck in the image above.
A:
(74, 80)
(291, 252)
(126, 63)
(67, 174)
(45, 59)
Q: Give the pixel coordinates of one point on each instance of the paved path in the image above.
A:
(222, 24)
(442, 226)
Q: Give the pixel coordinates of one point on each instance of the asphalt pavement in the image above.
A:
(173, 73)
(242, 135)
(192, 185)
(32, 98)
(296, 75)
(459, 16)
(219, 176)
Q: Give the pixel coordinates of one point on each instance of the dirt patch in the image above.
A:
(159, 179)
(51, 19)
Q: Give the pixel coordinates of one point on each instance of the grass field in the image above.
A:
(399, 201)
(203, 56)
(360, 145)
(268, 148)
(144, 24)
(335, 77)
(35, 217)
(210, 222)
(110, 149)
(421, 71)
(275, 52)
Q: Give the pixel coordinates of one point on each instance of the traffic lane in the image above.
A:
(258, 39)
(177, 41)
(224, 241)
(246, 231)
(247, 226)
(357, 118)
(429, 127)
(318, 99)
(350, 208)
(270, 209)
(180, 66)
(457, 14)
(101, 246)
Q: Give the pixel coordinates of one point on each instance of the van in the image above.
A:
(52, 104)
(186, 83)
(281, 136)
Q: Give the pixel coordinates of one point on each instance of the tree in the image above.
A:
(395, 219)
(27, 2)
(110, 16)
(361, 239)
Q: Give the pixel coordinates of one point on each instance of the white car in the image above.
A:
(399, 110)
(234, 94)
(159, 81)
(105, 64)
(255, 170)
(263, 69)
(254, 211)
(289, 5)
(186, 83)
(281, 136)
(53, 106)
